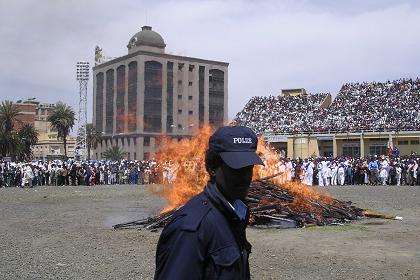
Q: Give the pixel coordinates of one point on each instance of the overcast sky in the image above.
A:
(270, 45)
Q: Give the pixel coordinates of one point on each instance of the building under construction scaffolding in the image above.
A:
(148, 93)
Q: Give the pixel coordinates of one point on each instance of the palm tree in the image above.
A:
(9, 143)
(62, 119)
(28, 137)
(93, 137)
(8, 117)
(114, 153)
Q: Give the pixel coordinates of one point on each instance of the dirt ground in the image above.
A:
(65, 233)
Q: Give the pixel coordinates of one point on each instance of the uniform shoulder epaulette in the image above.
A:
(195, 210)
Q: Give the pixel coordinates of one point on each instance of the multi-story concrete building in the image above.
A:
(26, 115)
(48, 146)
(148, 93)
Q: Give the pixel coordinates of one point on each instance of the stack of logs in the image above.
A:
(273, 206)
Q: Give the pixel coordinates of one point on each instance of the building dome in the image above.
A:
(146, 37)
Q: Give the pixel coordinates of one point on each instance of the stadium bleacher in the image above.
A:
(391, 105)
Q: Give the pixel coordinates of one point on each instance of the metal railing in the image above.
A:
(311, 132)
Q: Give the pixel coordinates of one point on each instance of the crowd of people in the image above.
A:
(383, 170)
(281, 114)
(321, 171)
(60, 173)
(392, 105)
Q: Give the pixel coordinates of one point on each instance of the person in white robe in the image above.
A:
(28, 176)
(309, 166)
(341, 173)
(325, 171)
(281, 169)
(383, 175)
(289, 170)
(384, 172)
(334, 170)
(320, 177)
(398, 172)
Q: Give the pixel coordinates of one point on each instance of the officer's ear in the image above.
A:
(212, 172)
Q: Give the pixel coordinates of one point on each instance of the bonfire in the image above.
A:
(272, 200)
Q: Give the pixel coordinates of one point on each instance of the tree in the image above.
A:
(62, 119)
(93, 137)
(114, 153)
(28, 137)
(9, 143)
(8, 115)
(8, 138)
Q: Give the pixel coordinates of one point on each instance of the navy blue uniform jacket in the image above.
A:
(204, 240)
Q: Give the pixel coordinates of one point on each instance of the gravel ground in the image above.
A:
(65, 233)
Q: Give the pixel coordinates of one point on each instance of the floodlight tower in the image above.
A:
(82, 68)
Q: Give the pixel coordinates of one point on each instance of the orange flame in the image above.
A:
(186, 160)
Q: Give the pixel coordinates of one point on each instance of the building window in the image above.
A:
(170, 97)
(191, 68)
(179, 96)
(190, 112)
(120, 118)
(403, 142)
(179, 82)
(135, 156)
(128, 141)
(132, 97)
(109, 105)
(146, 142)
(378, 150)
(190, 97)
(153, 96)
(179, 126)
(190, 83)
(352, 151)
(216, 97)
(179, 111)
(99, 101)
(180, 66)
(201, 96)
(415, 142)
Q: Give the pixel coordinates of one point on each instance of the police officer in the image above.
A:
(206, 237)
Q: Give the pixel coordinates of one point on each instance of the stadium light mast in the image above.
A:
(82, 75)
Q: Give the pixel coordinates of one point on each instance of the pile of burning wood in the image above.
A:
(275, 206)
(273, 201)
